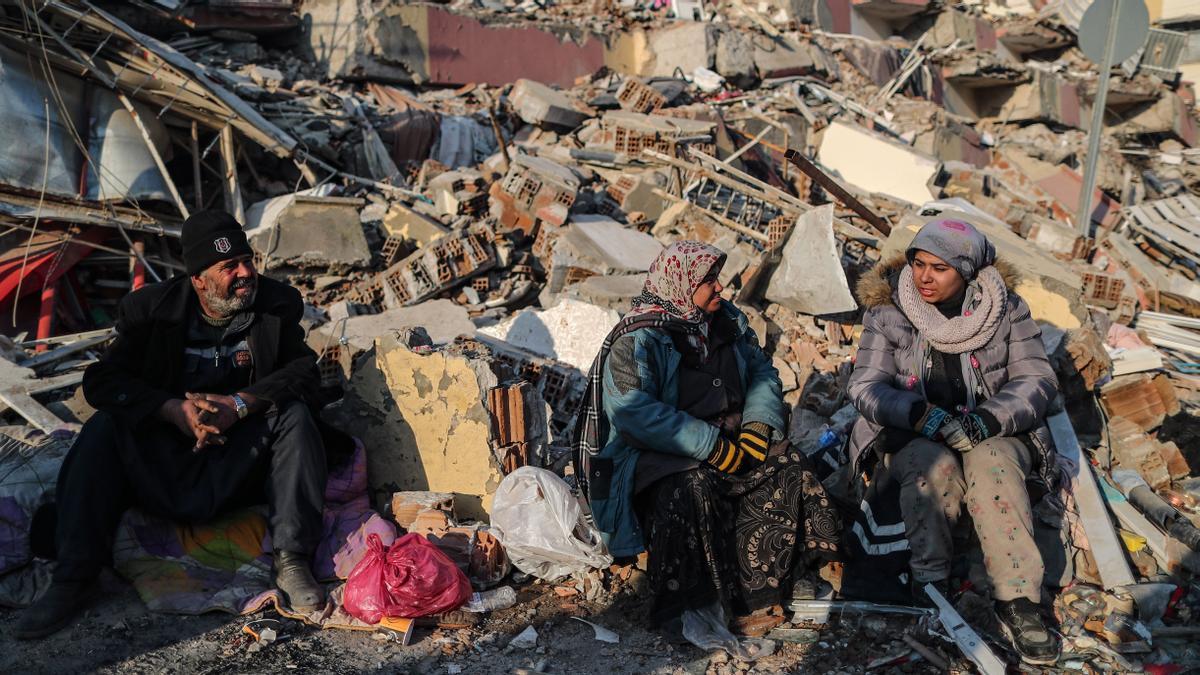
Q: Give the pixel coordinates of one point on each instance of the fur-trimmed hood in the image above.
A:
(878, 287)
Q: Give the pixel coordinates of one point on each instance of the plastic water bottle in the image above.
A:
(487, 601)
(829, 438)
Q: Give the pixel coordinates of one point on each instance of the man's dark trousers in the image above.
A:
(278, 455)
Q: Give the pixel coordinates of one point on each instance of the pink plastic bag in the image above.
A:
(366, 597)
(421, 580)
(412, 578)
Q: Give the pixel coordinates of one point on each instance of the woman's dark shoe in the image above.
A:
(1027, 631)
(54, 610)
(293, 577)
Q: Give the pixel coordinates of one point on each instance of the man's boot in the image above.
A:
(61, 603)
(294, 578)
(1027, 631)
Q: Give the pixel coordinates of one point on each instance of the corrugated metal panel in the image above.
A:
(1163, 51)
(1173, 224)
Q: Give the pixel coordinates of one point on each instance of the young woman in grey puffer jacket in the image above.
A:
(953, 385)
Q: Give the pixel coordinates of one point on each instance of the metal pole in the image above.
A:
(1089, 173)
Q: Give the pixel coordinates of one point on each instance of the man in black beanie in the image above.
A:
(203, 404)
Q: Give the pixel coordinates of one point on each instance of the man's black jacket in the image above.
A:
(142, 368)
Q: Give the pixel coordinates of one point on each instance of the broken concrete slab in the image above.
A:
(308, 230)
(1169, 114)
(403, 222)
(571, 331)
(635, 193)
(893, 170)
(775, 57)
(443, 320)
(1053, 290)
(610, 292)
(423, 413)
(684, 47)
(540, 105)
(1064, 185)
(810, 278)
(612, 247)
(734, 59)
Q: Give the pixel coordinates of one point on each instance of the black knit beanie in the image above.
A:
(209, 237)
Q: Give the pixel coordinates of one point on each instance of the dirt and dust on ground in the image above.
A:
(118, 635)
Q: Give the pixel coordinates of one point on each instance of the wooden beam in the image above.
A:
(1105, 545)
(35, 413)
(197, 183)
(233, 190)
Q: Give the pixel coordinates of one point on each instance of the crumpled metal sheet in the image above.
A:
(124, 170)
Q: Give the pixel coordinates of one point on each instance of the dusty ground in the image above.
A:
(118, 635)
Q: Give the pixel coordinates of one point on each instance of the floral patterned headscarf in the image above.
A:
(674, 277)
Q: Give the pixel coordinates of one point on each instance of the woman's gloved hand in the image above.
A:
(954, 436)
(939, 425)
(931, 422)
(747, 453)
(975, 427)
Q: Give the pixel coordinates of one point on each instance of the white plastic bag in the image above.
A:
(706, 629)
(541, 526)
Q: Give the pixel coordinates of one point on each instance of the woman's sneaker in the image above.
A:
(1027, 631)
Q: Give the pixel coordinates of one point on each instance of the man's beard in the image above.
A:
(233, 303)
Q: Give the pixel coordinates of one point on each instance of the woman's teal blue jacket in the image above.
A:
(641, 388)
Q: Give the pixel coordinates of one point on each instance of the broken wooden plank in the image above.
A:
(35, 413)
(1105, 545)
(66, 350)
(968, 641)
(233, 190)
(46, 384)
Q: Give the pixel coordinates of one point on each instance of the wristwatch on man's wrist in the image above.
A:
(240, 406)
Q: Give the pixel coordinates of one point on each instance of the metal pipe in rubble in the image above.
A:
(46, 314)
(1162, 514)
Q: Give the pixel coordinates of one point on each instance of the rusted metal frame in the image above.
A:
(832, 186)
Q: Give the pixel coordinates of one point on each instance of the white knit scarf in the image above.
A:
(984, 306)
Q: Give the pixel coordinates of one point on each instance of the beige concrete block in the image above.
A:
(425, 423)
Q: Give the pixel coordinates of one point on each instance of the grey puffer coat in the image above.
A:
(1011, 375)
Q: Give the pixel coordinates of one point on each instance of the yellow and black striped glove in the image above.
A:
(747, 453)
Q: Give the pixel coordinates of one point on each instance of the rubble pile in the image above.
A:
(469, 195)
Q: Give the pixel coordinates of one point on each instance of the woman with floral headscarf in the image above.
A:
(679, 452)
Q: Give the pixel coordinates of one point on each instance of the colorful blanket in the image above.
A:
(225, 565)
